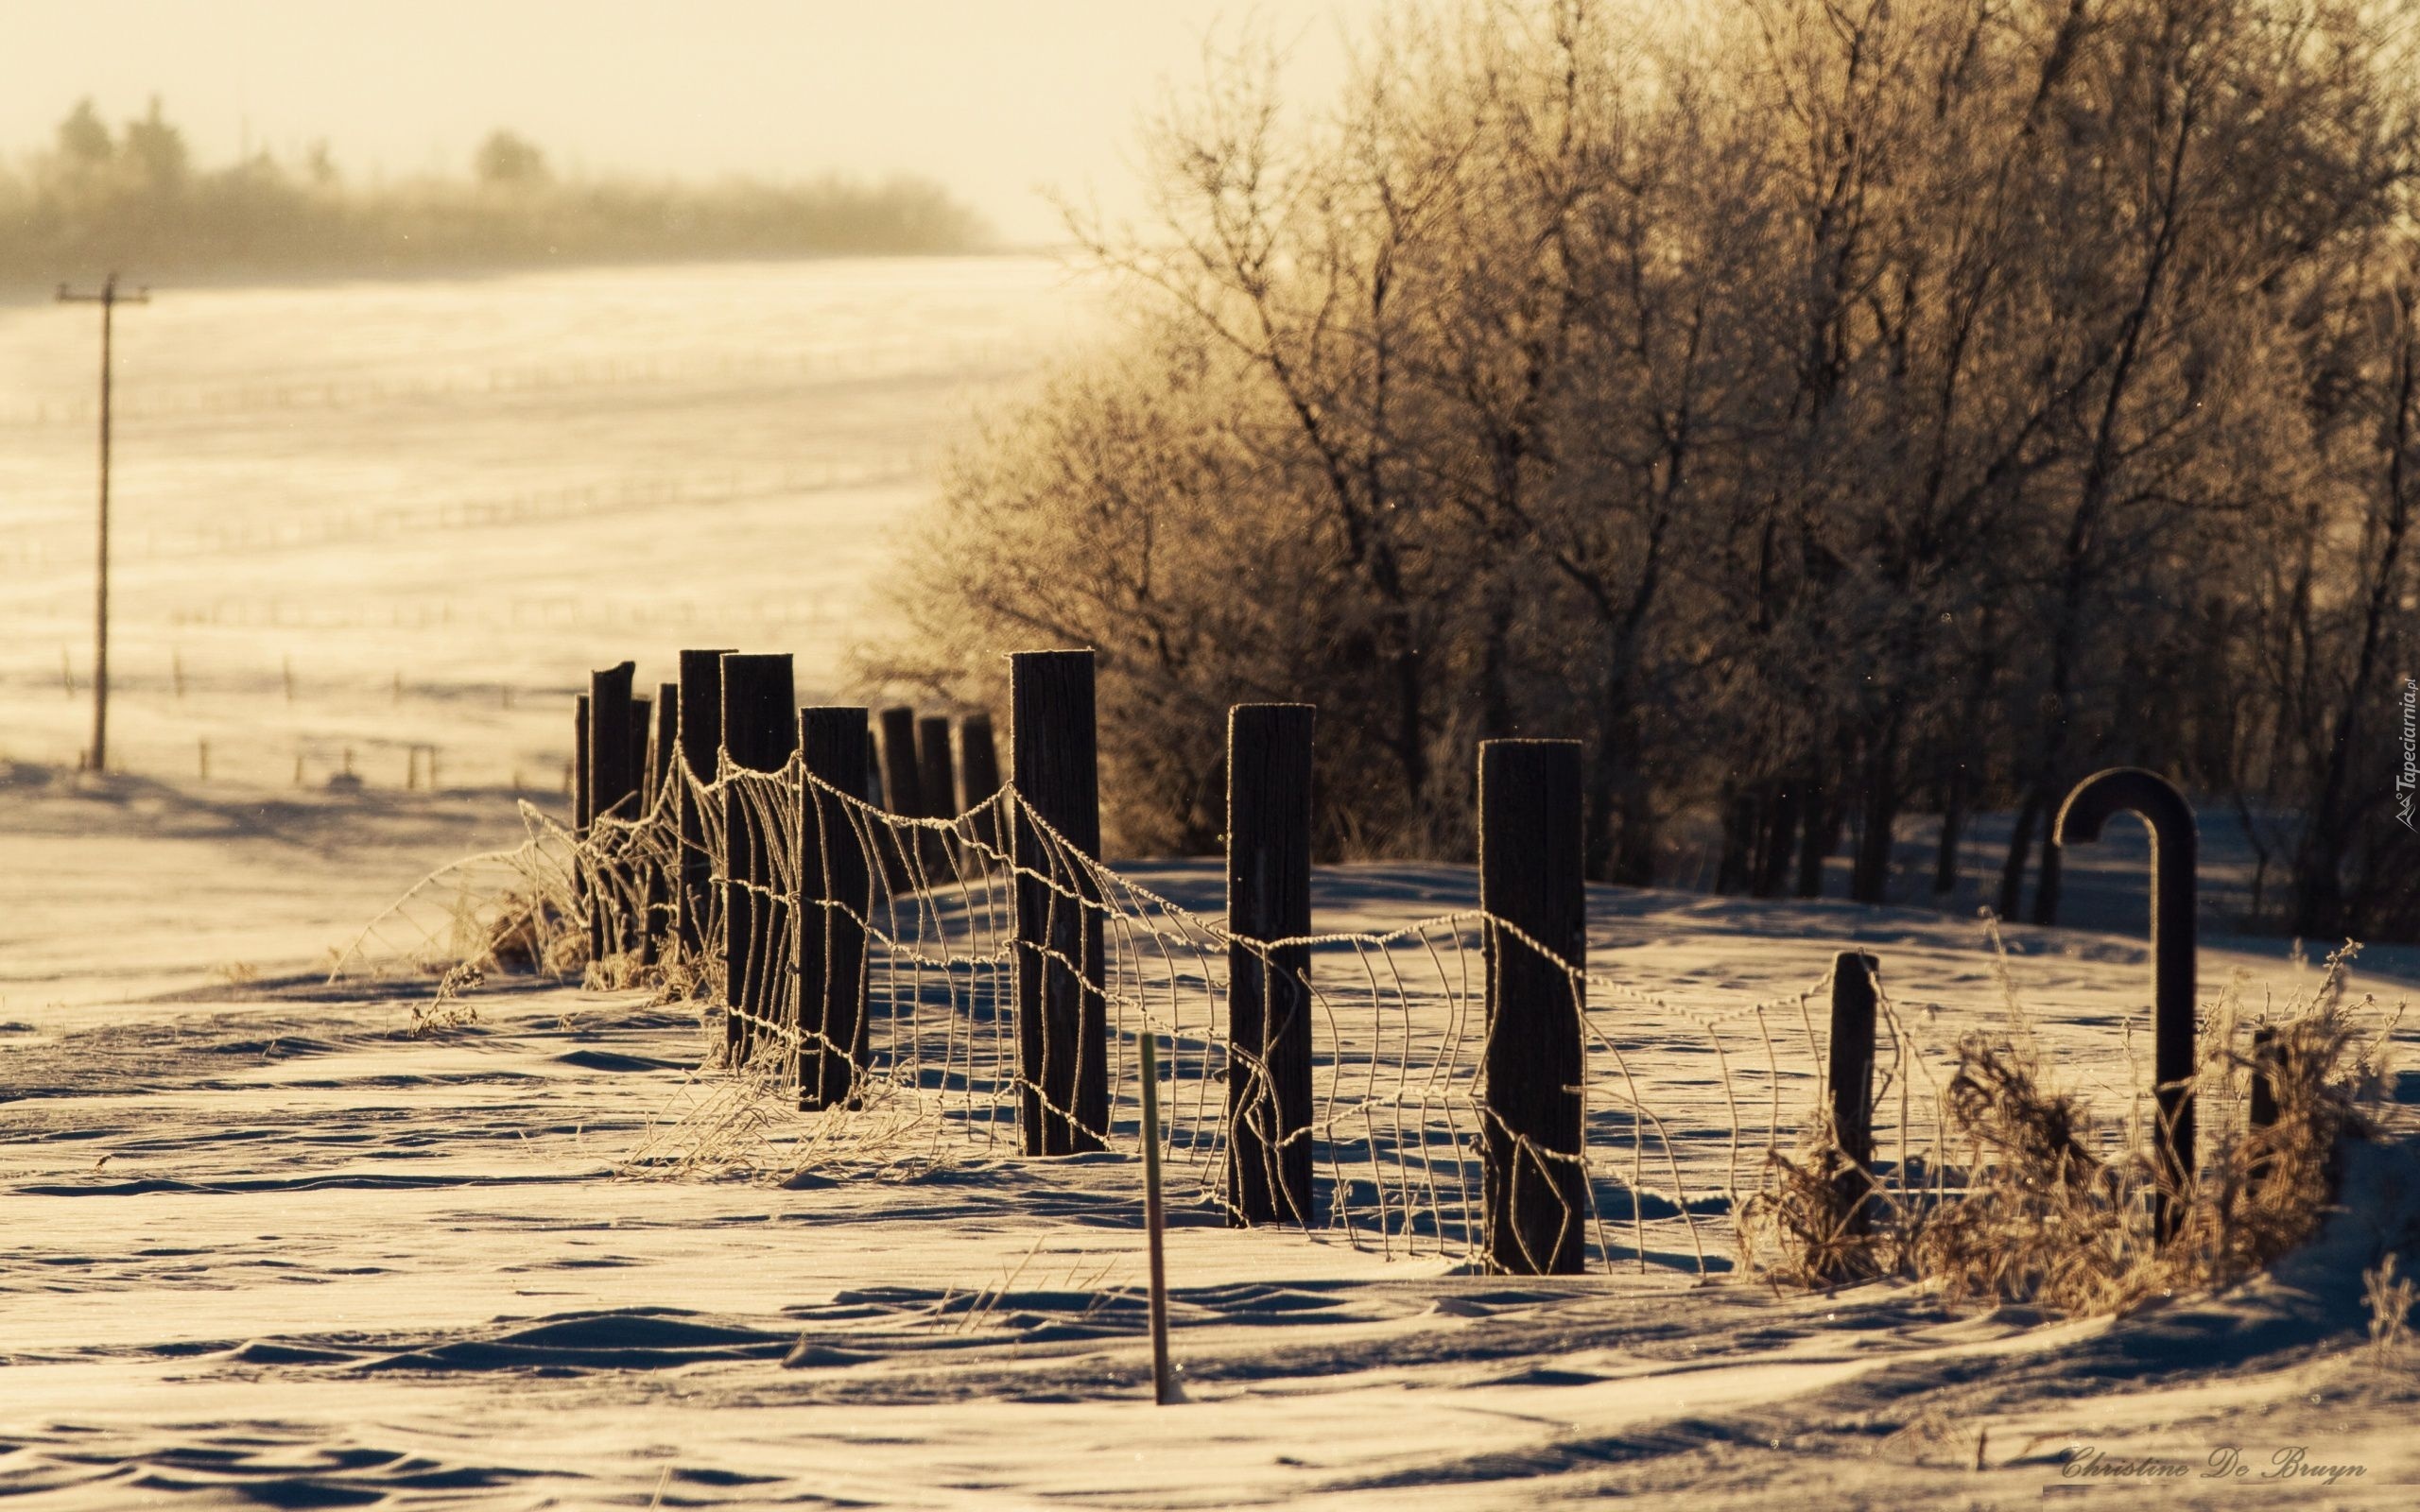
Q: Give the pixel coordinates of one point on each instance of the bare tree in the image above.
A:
(1838, 403)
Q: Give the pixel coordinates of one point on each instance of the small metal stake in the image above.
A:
(1163, 1389)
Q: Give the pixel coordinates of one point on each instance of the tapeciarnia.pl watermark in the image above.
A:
(2407, 782)
(2225, 1463)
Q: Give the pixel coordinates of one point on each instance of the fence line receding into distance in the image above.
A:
(923, 988)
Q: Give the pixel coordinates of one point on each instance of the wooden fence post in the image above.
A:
(1534, 1187)
(899, 775)
(1852, 1085)
(1063, 1019)
(642, 752)
(936, 782)
(2262, 1113)
(978, 763)
(838, 885)
(897, 845)
(759, 731)
(580, 817)
(700, 716)
(663, 875)
(935, 786)
(580, 814)
(641, 878)
(665, 740)
(612, 778)
(1269, 1000)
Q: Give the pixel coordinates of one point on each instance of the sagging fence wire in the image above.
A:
(1687, 1112)
(1683, 1107)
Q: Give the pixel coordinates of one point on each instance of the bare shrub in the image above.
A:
(2056, 1209)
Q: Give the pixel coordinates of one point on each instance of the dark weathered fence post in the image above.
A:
(579, 767)
(874, 794)
(1533, 1186)
(612, 775)
(2263, 1110)
(903, 795)
(937, 787)
(1269, 1000)
(1062, 1019)
(2175, 844)
(642, 730)
(700, 715)
(936, 782)
(1852, 1085)
(662, 872)
(579, 816)
(759, 731)
(665, 740)
(978, 763)
(838, 889)
(610, 779)
(899, 775)
(635, 870)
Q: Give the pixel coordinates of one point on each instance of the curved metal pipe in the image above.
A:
(2175, 848)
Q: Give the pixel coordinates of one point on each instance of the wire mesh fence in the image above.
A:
(1685, 1107)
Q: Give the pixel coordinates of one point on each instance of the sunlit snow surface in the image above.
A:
(265, 1246)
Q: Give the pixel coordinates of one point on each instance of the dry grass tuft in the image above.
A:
(448, 1010)
(616, 972)
(1819, 1220)
(2389, 1297)
(723, 1124)
(684, 979)
(526, 930)
(525, 934)
(744, 1124)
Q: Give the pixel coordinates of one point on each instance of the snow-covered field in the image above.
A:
(268, 1246)
(366, 516)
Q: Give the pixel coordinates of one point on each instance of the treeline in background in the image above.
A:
(1830, 411)
(134, 199)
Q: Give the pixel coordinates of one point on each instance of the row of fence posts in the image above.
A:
(737, 707)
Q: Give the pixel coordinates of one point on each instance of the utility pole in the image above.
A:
(109, 299)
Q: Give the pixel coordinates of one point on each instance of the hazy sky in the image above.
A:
(992, 97)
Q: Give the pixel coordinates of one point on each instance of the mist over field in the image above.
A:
(134, 197)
